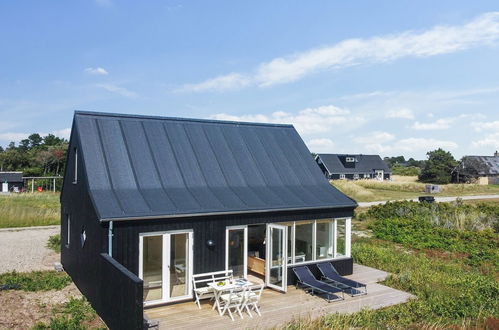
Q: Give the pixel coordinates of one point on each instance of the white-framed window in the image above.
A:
(68, 230)
(356, 176)
(75, 178)
(350, 159)
(342, 176)
(313, 240)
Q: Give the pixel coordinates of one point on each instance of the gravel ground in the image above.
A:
(24, 249)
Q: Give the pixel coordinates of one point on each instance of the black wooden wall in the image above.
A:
(126, 234)
(93, 274)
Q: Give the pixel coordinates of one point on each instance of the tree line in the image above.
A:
(35, 155)
(441, 167)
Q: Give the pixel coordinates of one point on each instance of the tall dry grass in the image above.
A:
(406, 186)
(350, 188)
(26, 210)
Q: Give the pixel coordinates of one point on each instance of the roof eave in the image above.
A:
(187, 215)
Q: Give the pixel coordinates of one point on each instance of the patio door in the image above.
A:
(165, 266)
(236, 250)
(276, 270)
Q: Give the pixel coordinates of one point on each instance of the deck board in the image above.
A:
(279, 308)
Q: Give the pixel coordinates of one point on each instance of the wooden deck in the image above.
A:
(279, 308)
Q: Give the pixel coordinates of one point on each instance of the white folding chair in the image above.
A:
(233, 300)
(252, 299)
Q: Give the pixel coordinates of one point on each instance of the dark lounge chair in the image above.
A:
(331, 276)
(308, 282)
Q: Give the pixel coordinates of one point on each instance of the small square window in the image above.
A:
(356, 176)
(342, 176)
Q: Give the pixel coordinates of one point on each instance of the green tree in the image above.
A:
(438, 168)
(35, 140)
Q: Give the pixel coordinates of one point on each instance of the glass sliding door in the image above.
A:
(152, 267)
(276, 257)
(237, 250)
(165, 266)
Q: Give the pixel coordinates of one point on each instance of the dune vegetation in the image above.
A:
(445, 254)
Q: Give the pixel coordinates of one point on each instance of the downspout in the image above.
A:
(110, 239)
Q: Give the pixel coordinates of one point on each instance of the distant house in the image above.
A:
(11, 181)
(353, 167)
(147, 202)
(487, 167)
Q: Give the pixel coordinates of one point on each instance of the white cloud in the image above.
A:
(443, 123)
(400, 113)
(97, 71)
(482, 126)
(320, 145)
(491, 140)
(410, 146)
(118, 90)
(12, 136)
(307, 121)
(375, 138)
(63, 133)
(222, 83)
(481, 31)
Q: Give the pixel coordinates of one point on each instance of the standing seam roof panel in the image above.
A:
(149, 166)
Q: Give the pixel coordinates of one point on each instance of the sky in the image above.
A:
(372, 77)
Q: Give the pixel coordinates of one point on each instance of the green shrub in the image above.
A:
(406, 170)
(54, 243)
(70, 316)
(36, 281)
(458, 228)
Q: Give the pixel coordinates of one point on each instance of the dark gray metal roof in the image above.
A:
(143, 167)
(11, 176)
(364, 163)
(490, 162)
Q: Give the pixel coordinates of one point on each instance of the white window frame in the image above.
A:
(350, 159)
(166, 263)
(68, 230)
(75, 179)
(245, 228)
(348, 240)
(356, 176)
(342, 176)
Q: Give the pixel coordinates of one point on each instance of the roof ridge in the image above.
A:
(198, 120)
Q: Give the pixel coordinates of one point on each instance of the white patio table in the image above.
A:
(218, 289)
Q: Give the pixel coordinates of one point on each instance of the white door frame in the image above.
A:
(227, 229)
(166, 264)
(268, 256)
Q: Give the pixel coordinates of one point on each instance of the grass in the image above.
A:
(76, 314)
(421, 248)
(26, 210)
(35, 281)
(54, 243)
(371, 190)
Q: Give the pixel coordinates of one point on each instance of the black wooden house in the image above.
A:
(149, 201)
(353, 166)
